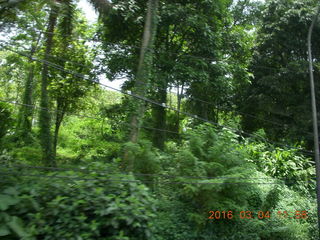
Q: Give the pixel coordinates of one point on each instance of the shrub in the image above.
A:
(212, 153)
(144, 157)
(282, 163)
(86, 140)
(27, 154)
(84, 209)
(11, 225)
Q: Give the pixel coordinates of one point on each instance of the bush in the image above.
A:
(86, 140)
(143, 156)
(282, 163)
(215, 154)
(83, 209)
(12, 226)
(27, 154)
(66, 206)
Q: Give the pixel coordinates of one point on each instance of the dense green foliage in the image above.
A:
(91, 209)
(213, 117)
(104, 203)
(280, 90)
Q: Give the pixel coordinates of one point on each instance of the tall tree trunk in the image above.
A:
(62, 104)
(26, 111)
(25, 115)
(44, 116)
(59, 117)
(179, 98)
(204, 110)
(170, 97)
(159, 116)
(143, 76)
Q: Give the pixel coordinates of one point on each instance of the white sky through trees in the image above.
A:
(88, 10)
(92, 17)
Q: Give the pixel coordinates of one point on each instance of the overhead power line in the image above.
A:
(95, 39)
(112, 179)
(152, 101)
(100, 119)
(138, 181)
(279, 125)
(80, 115)
(167, 52)
(106, 173)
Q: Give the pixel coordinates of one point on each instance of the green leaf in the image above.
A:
(6, 201)
(11, 191)
(16, 225)
(4, 231)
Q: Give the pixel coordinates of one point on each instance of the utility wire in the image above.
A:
(151, 49)
(46, 109)
(17, 166)
(151, 101)
(10, 173)
(91, 117)
(126, 124)
(189, 97)
(138, 47)
(279, 125)
(194, 98)
(80, 115)
(140, 97)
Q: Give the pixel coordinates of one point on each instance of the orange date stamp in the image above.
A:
(228, 215)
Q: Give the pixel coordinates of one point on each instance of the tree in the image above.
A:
(104, 7)
(175, 42)
(65, 95)
(31, 37)
(144, 72)
(44, 113)
(279, 91)
(66, 89)
(8, 12)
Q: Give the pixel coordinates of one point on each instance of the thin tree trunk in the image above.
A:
(44, 116)
(216, 116)
(204, 110)
(179, 98)
(170, 97)
(62, 104)
(26, 111)
(143, 76)
(59, 117)
(314, 114)
(25, 115)
(159, 116)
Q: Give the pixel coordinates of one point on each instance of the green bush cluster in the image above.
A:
(282, 163)
(202, 168)
(53, 208)
(87, 140)
(209, 152)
